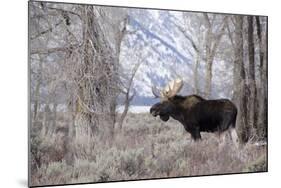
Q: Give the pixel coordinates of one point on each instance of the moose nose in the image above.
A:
(153, 111)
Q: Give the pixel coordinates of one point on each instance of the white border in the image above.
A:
(13, 95)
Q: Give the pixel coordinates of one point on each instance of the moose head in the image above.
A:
(169, 102)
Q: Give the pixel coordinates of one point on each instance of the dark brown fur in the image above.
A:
(197, 114)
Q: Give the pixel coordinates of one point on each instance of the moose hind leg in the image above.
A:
(195, 134)
(226, 123)
(234, 137)
(222, 140)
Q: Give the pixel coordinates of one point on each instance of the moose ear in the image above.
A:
(164, 117)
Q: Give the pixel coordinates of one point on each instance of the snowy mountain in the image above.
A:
(160, 48)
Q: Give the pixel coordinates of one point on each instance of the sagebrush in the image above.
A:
(145, 148)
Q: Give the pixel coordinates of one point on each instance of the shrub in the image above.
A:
(259, 165)
(141, 150)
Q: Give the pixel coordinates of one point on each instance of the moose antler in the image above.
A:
(171, 89)
(156, 92)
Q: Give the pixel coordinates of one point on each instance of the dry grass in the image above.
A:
(145, 148)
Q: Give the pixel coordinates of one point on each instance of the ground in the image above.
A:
(145, 148)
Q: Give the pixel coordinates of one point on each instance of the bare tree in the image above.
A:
(128, 95)
(248, 84)
(36, 98)
(195, 40)
(262, 72)
(203, 47)
(252, 77)
(240, 77)
(84, 44)
(213, 39)
(97, 81)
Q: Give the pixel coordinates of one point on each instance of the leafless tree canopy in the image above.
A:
(86, 62)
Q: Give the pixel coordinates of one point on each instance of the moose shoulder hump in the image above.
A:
(191, 100)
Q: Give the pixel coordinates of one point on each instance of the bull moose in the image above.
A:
(195, 113)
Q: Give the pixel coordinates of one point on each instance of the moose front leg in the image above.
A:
(194, 131)
(195, 134)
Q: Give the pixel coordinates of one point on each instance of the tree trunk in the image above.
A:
(47, 118)
(128, 98)
(125, 111)
(209, 61)
(37, 90)
(212, 43)
(262, 89)
(97, 87)
(54, 118)
(252, 78)
(241, 99)
(195, 72)
(209, 77)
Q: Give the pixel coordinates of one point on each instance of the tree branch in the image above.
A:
(46, 31)
(63, 10)
(195, 47)
(53, 50)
